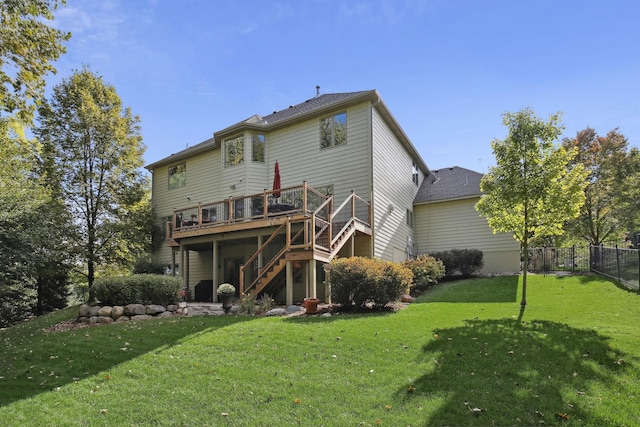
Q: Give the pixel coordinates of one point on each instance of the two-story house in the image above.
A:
(264, 203)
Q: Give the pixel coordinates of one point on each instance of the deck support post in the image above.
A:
(289, 275)
(311, 274)
(215, 271)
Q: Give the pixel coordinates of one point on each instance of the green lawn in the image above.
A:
(463, 354)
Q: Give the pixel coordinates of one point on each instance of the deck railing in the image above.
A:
(289, 201)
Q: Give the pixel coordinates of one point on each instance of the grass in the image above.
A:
(463, 354)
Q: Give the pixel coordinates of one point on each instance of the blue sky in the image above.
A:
(447, 69)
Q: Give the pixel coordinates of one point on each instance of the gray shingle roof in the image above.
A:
(449, 184)
(310, 105)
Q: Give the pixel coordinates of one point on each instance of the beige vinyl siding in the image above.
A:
(300, 158)
(393, 192)
(457, 225)
(203, 185)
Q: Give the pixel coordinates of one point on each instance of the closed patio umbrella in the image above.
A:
(276, 181)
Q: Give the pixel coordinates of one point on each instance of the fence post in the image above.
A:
(617, 263)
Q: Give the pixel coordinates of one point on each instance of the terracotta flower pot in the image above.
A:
(311, 305)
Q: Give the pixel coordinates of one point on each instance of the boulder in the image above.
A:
(83, 310)
(165, 314)
(93, 310)
(182, 304)
(154, 309)
(104, 319)
(172, 307)
(117, 312)
(294, 309)
(134, 309)
(276, 312)
(123, 319)
(407, 298)
(141, 317)
(105, 311)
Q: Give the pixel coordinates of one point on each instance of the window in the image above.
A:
(257, 148)
(414, 173)
(234, 151)
(177, 176)
(410, 218)
(333, 130)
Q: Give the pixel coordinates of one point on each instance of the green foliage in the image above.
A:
(28, 49)
(532, 191)
(147, 266)
(247, 305)
(136, 289)
(92, 157)
(226, 289)
(426, 269)
(357, 280)
(463, 261)
(613, 193)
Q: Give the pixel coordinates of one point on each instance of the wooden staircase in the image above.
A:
(311, 237)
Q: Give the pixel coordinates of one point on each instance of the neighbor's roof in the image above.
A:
(316, 106)
(449, 184)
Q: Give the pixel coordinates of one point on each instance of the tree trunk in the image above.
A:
(525, 267)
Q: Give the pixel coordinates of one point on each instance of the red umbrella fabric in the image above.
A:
(276, 181)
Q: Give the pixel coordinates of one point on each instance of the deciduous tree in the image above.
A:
(612, 193)
(93, 150)
(531, 191)
(28, 48)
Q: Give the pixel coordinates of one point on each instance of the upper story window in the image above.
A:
(177, 176)
(257, 147)
(333, 130)
(234, 151)
(414, 173)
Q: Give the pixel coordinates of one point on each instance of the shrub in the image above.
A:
(226, 290)
(136, 289)
(464, 261)
(356, 281)
(427, 271)
(247, 305)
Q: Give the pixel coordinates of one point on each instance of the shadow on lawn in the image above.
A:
(35, 362)
(504, 372)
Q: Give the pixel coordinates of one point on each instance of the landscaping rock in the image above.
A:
(84, 320)
(154, 309)
(172, 307)
(123, 319)
(165, 314)
(105, 311)
(141, 317)
(293, 309)
(104, 319)
(326, 315)
(407, 298)
(182, 305)
(134, 309)
(276, 312)
(117, 312)
(93, 311)
(83, 311)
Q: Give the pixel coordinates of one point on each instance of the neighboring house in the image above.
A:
(445, 218)
(348, 174)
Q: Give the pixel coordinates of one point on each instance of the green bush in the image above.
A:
(136, 289)
(356, 281)
(463, 261)
(427, 271)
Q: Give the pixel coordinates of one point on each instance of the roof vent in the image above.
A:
(318, 90)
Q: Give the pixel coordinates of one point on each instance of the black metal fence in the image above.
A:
(617, 263)
(559, 260)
